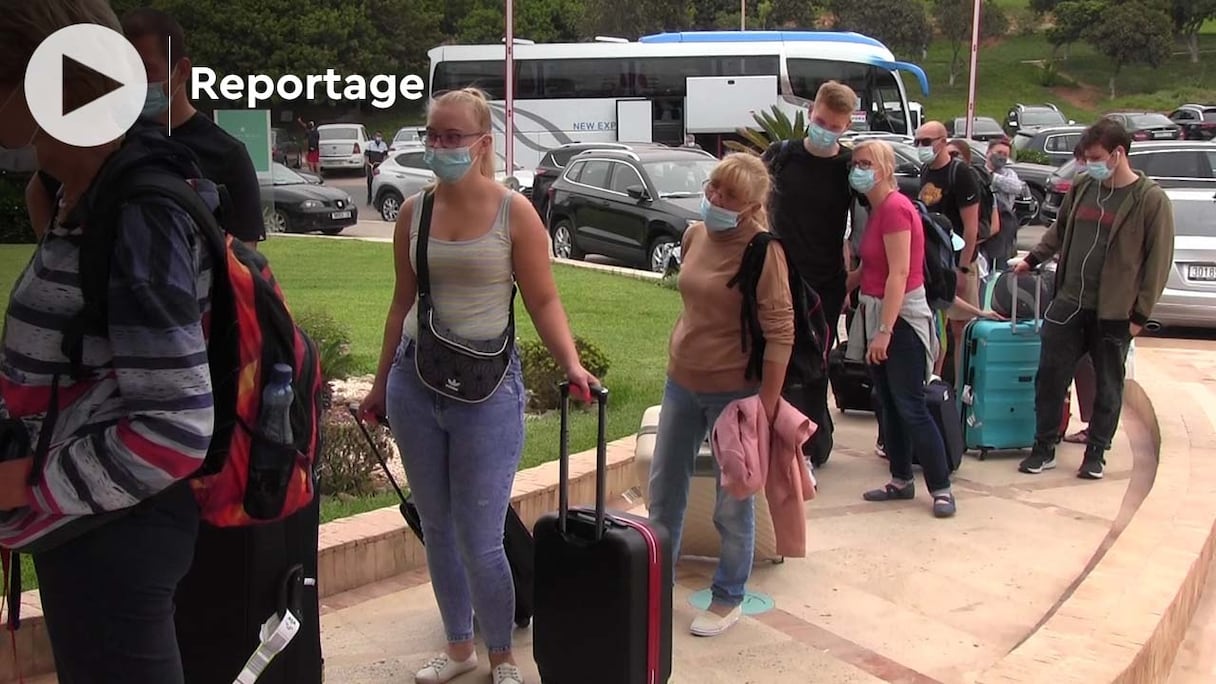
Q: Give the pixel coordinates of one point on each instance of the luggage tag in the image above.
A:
(280, 628)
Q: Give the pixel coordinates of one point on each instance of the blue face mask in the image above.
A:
(862, 180)
(449, 165)
(926, 154)
(820, 137)
(716, 218)
(1099, 170)
(157, 101)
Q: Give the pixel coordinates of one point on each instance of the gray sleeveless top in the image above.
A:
(471, 280)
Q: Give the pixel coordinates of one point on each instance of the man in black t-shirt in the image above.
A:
(949, 187)
(222, 158)
(809, 211)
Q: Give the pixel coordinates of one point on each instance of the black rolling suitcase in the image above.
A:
(517, 540)
(851, 383)
(943, 407)
(603, 586)
(240, 578)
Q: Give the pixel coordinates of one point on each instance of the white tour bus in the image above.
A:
(661, 87)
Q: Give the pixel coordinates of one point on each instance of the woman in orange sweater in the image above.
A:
(707, 368)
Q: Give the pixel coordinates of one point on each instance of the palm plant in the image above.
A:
(774, 126)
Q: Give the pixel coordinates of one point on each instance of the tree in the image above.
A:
(1041, 7)
(1189, 16)
(1072, 19)
(953, 19)
(903, 25)
(1132, 32)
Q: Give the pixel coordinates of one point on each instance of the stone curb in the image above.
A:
(1127, 618)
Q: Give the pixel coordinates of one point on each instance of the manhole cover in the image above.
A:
(754, 603)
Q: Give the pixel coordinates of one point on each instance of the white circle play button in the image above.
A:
(105, 56)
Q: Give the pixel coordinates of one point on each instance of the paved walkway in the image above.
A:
(887, 592)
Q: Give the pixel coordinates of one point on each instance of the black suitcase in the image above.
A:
(851, 383)
(603, 585)
(943, 406)
(517, 540)
(240, 577)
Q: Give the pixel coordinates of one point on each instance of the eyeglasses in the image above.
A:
(864, 164)
(447, 138)
(925, 142)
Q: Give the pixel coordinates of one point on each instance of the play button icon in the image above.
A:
(116, 83)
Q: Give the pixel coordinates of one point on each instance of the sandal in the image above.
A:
(890, 492)
(1079, 437)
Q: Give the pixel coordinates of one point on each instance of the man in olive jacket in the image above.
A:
(1115, 238)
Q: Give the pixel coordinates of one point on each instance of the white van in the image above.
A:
(342, 146)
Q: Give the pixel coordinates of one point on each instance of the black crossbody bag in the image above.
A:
(454, 367)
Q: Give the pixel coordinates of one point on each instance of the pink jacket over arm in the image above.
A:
(754, 457)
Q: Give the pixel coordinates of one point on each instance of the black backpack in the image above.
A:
(987, 199)
(809, 359)
(941, 259)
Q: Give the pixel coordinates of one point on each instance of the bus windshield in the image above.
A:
(680, 178)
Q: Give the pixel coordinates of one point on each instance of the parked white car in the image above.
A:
(408, 136)
(342, 146)
(1189, 298)
(404, 173)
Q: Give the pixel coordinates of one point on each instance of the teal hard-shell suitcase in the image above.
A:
(997, 387)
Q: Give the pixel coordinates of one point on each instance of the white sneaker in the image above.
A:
(507, 673)
(442, 669)
(709, 623)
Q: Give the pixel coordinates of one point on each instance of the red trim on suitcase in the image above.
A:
(655, 588)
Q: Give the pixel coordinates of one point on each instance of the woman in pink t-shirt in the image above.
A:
(894, 329)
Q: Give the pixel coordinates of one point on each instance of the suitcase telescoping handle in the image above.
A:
(1013, 298)
(371, 443)
(601, 459)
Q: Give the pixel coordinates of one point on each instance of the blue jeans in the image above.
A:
(684, 420)
(907, 425)
(460, 460)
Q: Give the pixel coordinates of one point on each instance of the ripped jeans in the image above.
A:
(460, 460)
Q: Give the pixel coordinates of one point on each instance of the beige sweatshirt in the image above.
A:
(706, 351)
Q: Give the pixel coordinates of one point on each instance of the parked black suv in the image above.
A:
(632, 205)
(1173, 164)
(1145, 126)
(1024, 117)
(556, 159)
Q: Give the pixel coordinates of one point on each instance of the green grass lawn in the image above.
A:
(629, 319)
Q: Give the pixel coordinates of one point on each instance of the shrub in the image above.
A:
(333, 342)
(1033, 157)
(14, 218)
(542, 375)
(347, 464)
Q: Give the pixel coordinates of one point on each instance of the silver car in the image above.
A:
(1189, 298)
(404, 174)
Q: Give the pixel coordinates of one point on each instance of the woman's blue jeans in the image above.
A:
(684, 420)
(460, 460)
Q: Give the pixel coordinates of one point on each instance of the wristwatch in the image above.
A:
(883, 329)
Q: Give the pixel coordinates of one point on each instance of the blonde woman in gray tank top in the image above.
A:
(460, 458)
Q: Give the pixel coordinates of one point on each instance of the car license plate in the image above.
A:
(340, 215)
(1163, 134)
(1201, 272)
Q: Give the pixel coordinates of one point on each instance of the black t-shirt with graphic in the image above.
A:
(949, 190)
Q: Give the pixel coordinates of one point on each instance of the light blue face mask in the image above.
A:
(449, 164)
(716, 218)
(925, 154)
(1099, 170)
(156, 102)
(820, 137)
(862, 180)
